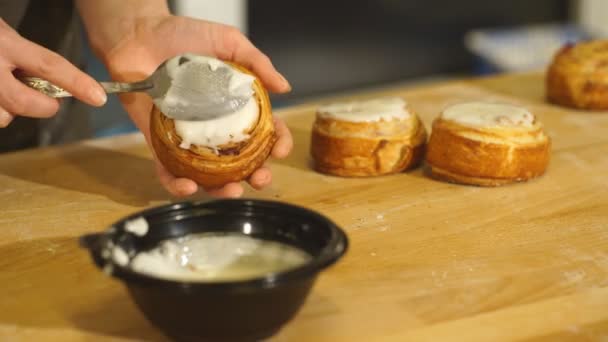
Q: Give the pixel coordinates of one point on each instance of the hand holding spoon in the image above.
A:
(199, 91)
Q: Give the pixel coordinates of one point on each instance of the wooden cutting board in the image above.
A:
(428, 260)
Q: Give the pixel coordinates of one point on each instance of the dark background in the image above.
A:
(325, 46)
(330, 46)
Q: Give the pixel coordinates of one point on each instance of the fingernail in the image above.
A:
(99, 96)
(5, 118)
(285, 82)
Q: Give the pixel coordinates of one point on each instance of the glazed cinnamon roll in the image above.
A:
(487, 144)
(578, 76)
(367, 138)
(218, 151)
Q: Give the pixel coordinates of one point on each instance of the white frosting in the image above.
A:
(185, 75)
(138, 226)
(217, 257)
(119, 256)
(482, 114)
(108, 269)
(220, 131)
(226, 129)
(241, 84)
(214, 64)
(374, 110)
(174, 69)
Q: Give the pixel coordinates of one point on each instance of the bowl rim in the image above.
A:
(336, 247)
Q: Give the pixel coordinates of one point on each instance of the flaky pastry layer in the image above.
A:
(363, 149)
(486, 156)
(578, 76)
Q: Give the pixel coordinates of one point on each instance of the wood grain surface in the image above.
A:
(429, 261)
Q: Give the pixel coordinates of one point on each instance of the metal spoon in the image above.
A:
(201, 93)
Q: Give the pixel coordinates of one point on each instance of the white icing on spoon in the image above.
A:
(193, 87)
(213, 133)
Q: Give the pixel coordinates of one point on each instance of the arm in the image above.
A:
(110, 22)
(133, 37)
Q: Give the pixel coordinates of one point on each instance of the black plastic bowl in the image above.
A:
(219, 311)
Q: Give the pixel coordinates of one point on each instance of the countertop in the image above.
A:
(428, 260)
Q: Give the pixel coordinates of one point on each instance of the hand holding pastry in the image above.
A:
(218, 151)
(133, 44)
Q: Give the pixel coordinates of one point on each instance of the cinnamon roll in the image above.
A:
(578, 76)
(367, 138)
(487, 144)
(218, 151)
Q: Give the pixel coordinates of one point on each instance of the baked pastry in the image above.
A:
(578, 76)
(368, 138)
(487, 144)
(218, 151)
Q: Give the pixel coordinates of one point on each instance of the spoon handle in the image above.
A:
(118, 87)
(52, 90)
(44, 86)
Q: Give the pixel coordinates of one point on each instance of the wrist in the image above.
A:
(110, 22)
(129, 32)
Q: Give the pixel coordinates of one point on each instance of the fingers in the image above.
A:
(230, 190)
(17, 98)
(261, 178)
(284, 143)
(180, 187)
(253, 59)
(38, 61)
(236, 47)
(182, 34)
(19, 54)
(5, 118)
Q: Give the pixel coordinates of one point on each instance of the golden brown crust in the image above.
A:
(578, 76)
(363, 149)
(486, 157)
(212, 169)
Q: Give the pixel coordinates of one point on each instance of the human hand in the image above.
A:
(155, 39)
(19, 55)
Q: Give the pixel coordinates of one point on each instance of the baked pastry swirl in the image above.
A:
(219, 151)
(578, 76)
(368, 138)
(487, 144)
